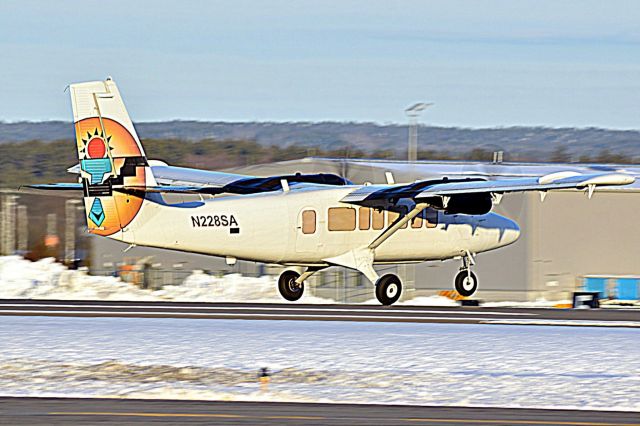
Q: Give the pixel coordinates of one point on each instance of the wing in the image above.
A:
(219, 182)
(171, 175)
(185, 180)
(560, 180)
(439, 192)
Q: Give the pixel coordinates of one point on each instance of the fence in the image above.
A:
(339, 284)
(146, 277)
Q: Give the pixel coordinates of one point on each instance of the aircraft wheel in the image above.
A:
(388, 289)
(288, 287)
(466, 283)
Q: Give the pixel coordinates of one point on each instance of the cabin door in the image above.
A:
(307, 231)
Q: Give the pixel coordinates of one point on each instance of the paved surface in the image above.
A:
(460, 315)
(53, 411)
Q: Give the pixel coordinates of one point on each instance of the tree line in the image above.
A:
(40, 162)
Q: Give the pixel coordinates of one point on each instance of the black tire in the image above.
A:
(466, 283)
(288, 287)
(388, 289)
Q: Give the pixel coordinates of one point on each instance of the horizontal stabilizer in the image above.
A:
(56, 186)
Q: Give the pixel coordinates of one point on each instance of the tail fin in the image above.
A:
(110, 155)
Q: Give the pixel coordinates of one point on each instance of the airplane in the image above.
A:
(303, 222)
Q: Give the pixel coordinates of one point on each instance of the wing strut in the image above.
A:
(361, 259)
(399, 223)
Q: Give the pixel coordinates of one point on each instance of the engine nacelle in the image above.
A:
(472, 204)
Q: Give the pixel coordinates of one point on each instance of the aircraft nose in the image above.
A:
(508, 230)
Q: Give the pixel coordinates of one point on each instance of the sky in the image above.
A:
(482, 63)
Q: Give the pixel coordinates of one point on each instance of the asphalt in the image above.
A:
(72, 411)
(368, 313)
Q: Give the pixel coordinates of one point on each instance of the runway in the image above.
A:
(367, 313)
(52, 411)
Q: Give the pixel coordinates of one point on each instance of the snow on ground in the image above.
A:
(346, 362)
(46, 279)
(540, 303)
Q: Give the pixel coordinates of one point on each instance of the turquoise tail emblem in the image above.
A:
(98, 169)
(96, 214)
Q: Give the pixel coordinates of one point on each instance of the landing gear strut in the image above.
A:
(466, 282)
(388, 289)
(288, 287)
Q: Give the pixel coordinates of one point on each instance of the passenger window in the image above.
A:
(308, 222)
(377, 219)
(416, 222)
(364, 220)
(393, 216)
(403, 212)
(342, 219)
(431, 217)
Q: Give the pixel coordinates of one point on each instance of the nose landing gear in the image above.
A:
(466, 282)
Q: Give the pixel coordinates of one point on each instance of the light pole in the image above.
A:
(70, 228)
(8, 225)
(413, 112)
(23, 229)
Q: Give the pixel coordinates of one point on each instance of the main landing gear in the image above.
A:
(291, 286)
(291, 283)
(466, 282)
(388, 289)
(288, 287)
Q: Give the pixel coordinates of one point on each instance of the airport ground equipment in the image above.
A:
(305, 222)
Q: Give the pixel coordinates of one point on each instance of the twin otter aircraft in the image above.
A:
(303, 222)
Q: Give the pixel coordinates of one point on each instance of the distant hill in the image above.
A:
(561, 144)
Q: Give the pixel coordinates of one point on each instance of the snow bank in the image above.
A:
(46, 279)
(229, 288)
(430, 301)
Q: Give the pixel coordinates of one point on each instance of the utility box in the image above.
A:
(586, 300)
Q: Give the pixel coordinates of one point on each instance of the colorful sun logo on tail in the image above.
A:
(95, 157)
(95, 145)
(110, 158)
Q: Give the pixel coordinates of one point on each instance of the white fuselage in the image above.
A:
(268, 228)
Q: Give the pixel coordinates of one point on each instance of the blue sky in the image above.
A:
(483, 63)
